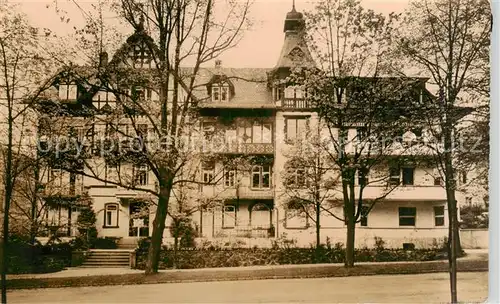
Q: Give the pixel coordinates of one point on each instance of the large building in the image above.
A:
(258, 116)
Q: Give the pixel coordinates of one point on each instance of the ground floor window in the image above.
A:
(407, 216)
(364, 216)
(229, 216)
(111, 215)
(260, 216)
(439, 215)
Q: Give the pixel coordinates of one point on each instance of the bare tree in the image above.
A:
(361, 111)
(23, 69)
(448, 41)
(310, 181)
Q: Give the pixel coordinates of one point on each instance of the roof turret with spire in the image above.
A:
(294, 52)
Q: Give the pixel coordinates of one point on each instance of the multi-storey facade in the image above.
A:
(256, 115)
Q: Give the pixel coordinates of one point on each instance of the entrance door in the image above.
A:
(139, 219)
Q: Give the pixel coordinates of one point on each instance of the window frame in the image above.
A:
(393, 176)
(363, 220)
(141, 173)
(229, 176)
(439, 216)
(207, 172)
(295, 120)
(220, 92)
(224, 212)
(261, 173)
(405, 182)
(110, 213)
(404, 216)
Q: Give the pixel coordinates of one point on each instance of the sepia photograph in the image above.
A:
(246, 151)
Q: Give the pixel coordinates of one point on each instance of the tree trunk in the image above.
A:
(9, 188)
(318, 224)
(158, 227)
(349, 250)
(453, 241)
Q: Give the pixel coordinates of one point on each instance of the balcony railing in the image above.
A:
(245, 148)
(296, 103)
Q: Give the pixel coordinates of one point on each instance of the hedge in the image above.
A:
(238, 257)
(27, 258)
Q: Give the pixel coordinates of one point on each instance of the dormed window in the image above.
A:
(68, 91)
(220, 92)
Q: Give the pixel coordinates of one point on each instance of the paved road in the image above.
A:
(422, 288)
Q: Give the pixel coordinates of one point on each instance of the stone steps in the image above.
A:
(107, 258)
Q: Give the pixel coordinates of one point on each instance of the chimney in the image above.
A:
(218, 66)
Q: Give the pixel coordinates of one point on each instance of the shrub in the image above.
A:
(24, 257)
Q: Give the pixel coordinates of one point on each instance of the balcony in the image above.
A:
(295, 103)
(245, 192)
(241, 148)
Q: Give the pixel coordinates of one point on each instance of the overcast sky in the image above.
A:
(259, 47)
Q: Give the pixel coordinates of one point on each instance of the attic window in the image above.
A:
(140, 56)
(220, 92)
(68, 91)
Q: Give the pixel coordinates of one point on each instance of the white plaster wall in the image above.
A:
(383, 221)
(100, 197)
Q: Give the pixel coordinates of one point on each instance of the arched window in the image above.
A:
(260, 216)
(111, 215)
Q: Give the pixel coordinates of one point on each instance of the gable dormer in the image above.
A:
(137, 52)
(220, 89)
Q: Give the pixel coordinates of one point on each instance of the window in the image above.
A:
(295, 127)
(261, 176)
(362, 176)
(364, 216)
(296, 178)
(408, 176)
(229, 177)
(407, 216)
(278, 93)
(260, 216)
(141, 174)
(229, 216)
(394, 176)
(343, 138)
(138, 93)
(220, 93)
(463, 177)
(439, 215)
(208, 129)
(140, 56)
(262, 133)
(111, 215)
(68, 91)
(142, 131)
(438, 181)
(295, 216)
(208, 172)
(361, 133)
